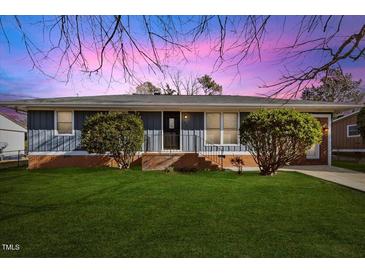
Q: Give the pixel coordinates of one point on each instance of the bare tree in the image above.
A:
(73, 43)
(180, 84)
(184, 85)
(167, 90)
(177, 82)
(350, 47)
(191, 85)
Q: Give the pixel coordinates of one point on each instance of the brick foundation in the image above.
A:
(349, 156)
(57, 161)
(155, 161)
(178, 161)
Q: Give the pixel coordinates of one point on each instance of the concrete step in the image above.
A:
(161, 161)
(208, 163)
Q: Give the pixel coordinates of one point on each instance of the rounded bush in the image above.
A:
(118, 134)
(278, 137)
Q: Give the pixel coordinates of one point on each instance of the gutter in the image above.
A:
(14, 104)
(346, 116)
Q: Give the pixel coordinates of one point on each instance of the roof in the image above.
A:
(346, 116)
(20, 121)
(174, 102)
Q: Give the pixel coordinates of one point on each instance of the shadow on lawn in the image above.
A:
(50, 207)
(226, 175)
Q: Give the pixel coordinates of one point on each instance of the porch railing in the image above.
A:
(170, 143)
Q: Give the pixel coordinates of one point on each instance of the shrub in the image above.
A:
(119, 134)
(361, 122)
(278, 137)
(238, 162)
(169, 169)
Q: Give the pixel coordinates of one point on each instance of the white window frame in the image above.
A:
(172, 125)
(72, 122)
(348, 131)
(221, 128)
(205, 128)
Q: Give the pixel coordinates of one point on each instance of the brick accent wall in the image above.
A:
(179, 161)
(247, 160)
(56, 161)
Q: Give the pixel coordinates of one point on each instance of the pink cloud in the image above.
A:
(244, 79)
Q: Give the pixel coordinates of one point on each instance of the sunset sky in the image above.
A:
(18, 79)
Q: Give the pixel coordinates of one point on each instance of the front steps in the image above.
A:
(178, 161)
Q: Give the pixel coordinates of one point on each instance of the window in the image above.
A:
(64, 122)
(213, 128)
(353, 131)
(171, 123)
(221, 128)
(230, 128)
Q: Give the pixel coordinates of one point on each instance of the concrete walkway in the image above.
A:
(341, 176)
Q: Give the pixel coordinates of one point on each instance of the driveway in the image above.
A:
(341, 176)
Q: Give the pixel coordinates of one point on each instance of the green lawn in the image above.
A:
(350, 165)
(113, 213)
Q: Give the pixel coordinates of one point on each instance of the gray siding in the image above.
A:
(243, 116)
(152, 131)
(192, 129)
(80, 117)
(41, 132)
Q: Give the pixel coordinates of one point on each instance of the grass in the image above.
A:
(350, 165)
(113, 213)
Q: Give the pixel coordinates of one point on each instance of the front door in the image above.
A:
(171, 130)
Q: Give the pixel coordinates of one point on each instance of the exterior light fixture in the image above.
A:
(325, 128)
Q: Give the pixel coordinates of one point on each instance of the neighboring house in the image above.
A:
(347, 142)
(12, 137)
(180, 131)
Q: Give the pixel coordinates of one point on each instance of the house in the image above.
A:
(180, 131)
(12, 137)
(347, 142)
